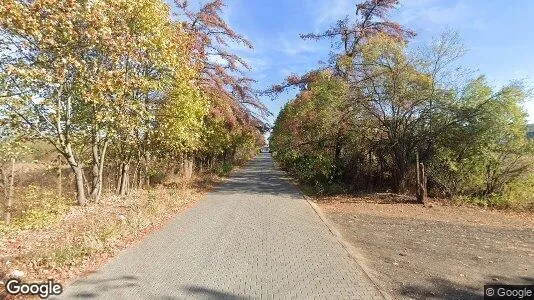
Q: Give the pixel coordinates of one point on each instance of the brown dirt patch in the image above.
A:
(436, 251)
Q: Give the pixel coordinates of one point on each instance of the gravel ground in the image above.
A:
(437, 251)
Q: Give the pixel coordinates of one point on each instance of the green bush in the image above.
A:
(157, 176)
(224, 169)
(493, 201)
(520, 192)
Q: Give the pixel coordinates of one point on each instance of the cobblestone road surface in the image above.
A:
(253, 237)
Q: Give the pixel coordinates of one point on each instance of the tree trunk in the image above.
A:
(400, 170)
(124, 179)
(80, 188)
(119, 178)
(138, 180)
(337, 154)
(78, 175)
(188, 167)
(234, 151)
(101, 170)
(94, 173)
(421, 181)
(147, 175)
(98, 170)
(59, 176)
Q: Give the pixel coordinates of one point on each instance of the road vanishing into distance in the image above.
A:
(255, 236)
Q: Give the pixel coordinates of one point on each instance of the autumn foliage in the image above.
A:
(121, 88)
(380, 117)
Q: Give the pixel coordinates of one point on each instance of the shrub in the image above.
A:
(157, 176)
(493, 201)
(520, 192)
(224, 169)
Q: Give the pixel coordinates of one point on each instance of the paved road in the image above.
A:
(253, 237)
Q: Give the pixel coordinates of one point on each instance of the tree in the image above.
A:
(488, 148)
(221, 71)
(348, 35)
(393, 114)
(180, 121)
(309, 132)
(394, 94)
(84, 72)
(45, 72)
(121, 78)
(221, 77)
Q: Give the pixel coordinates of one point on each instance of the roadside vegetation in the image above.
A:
(113, 115)
(385, 117)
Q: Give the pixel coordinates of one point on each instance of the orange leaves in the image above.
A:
(221, 70)
(293, 79)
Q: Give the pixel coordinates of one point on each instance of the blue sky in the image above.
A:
(497, 34)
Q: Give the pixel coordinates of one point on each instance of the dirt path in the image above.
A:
(437, 252)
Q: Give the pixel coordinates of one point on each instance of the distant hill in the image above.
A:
(530, 131)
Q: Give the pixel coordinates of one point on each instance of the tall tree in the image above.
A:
(222, 71)
(347, 35)
(78, 72)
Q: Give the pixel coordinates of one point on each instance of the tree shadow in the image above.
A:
(440, 288)
(92, 288)
(207, 293)
(259, 177)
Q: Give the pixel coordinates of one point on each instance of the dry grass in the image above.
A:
(79, 239)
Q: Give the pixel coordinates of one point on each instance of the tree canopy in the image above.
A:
(120, 83)
(379, 109)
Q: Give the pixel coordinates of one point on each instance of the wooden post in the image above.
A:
(421, 180)
(418, 171)
(422, 184)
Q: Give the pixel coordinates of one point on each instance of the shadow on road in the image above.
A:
(103, 286)
(207, 293)
(259, 177)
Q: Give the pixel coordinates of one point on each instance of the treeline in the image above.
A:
(125, 86)
(383, 118)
